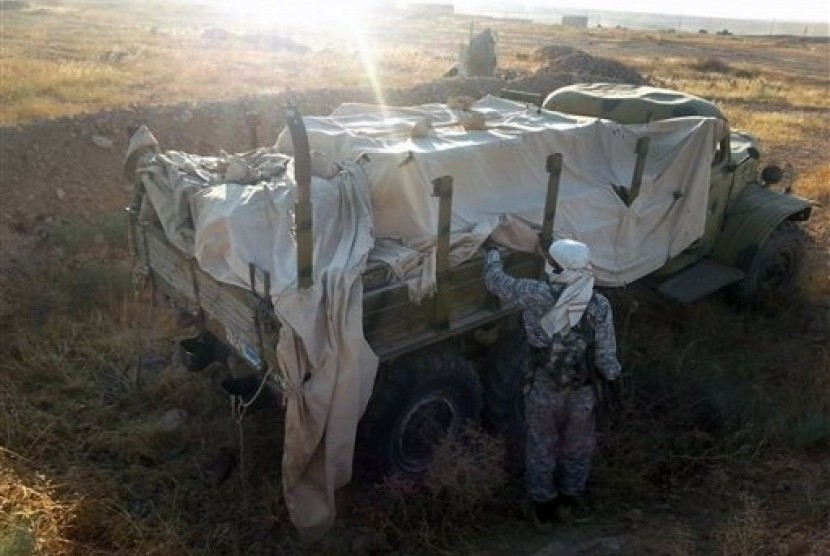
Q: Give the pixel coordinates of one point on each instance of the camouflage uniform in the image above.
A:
(559, 404)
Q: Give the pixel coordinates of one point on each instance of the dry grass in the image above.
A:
(777, 128)
(464, 492)
(89, 464)
(744, 533)
(777, 93)
(815, 184)
(33, 520)
(66, 63)
(744, 83)
(47, 88)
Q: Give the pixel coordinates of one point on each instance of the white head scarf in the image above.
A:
(575, 259)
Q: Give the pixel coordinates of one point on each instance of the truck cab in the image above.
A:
(750, 240)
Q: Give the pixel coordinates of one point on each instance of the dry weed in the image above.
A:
(777, 128)
(745, 533)
(66, 63)
(740, 83)
(815, 184)
(465, 483)
(682, 542)
(710, 65)
(33, 519)
(466, 474)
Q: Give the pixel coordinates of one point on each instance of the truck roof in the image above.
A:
(628, 104)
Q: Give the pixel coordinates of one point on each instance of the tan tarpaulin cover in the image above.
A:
(499, 174)
(327, 364)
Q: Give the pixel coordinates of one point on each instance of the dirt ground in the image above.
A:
(69, 170)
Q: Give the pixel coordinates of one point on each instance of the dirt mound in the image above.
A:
(553, 52)
(561, 59)
(441, 90)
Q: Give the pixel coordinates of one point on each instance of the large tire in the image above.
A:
(503, 375)
(416, 405)
(776, 266)
(504, 397)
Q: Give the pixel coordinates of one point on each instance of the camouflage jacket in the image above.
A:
(536, 297)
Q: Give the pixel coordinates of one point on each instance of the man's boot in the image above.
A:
(543, 514)
(572, 508)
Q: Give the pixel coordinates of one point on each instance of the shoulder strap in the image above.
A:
(586, 328)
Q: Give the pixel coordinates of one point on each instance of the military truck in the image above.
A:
(451, 358)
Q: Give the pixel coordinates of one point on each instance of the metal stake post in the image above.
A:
(442, 188)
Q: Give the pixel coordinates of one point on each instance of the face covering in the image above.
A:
(578, 279)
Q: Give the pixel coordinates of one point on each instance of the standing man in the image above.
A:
(570, 331)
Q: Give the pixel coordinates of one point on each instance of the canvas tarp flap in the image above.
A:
(499, 173)
(327, 364)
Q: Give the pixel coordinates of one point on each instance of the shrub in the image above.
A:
(711, 65)
(464, 486)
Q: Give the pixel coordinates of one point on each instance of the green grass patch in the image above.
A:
(16, 539)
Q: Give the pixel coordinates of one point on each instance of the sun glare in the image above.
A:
(317, 23)
(367, 58)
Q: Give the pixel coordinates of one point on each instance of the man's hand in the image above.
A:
(493, 256)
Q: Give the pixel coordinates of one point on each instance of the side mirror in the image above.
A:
(753, 153)
(772, 174)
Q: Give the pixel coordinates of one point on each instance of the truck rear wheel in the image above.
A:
(503, 370)
(503, 396)
(421, 402)
(776, 265)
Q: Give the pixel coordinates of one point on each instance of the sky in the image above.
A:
(791, 10)
(767, 10)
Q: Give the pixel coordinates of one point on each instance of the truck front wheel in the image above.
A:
(421, 402)
(776, 265)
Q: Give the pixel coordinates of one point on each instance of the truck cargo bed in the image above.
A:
(392, 324)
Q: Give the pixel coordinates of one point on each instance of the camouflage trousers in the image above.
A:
(561, 437)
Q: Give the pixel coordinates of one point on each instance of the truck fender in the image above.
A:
(749, 221)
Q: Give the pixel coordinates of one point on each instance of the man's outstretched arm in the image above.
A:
(520, 291)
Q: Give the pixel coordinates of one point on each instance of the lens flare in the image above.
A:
(367, 57)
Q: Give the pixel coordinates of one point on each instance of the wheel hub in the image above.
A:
(423, 427)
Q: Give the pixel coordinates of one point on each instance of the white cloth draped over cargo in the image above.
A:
(499, 175)
(328, 367)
